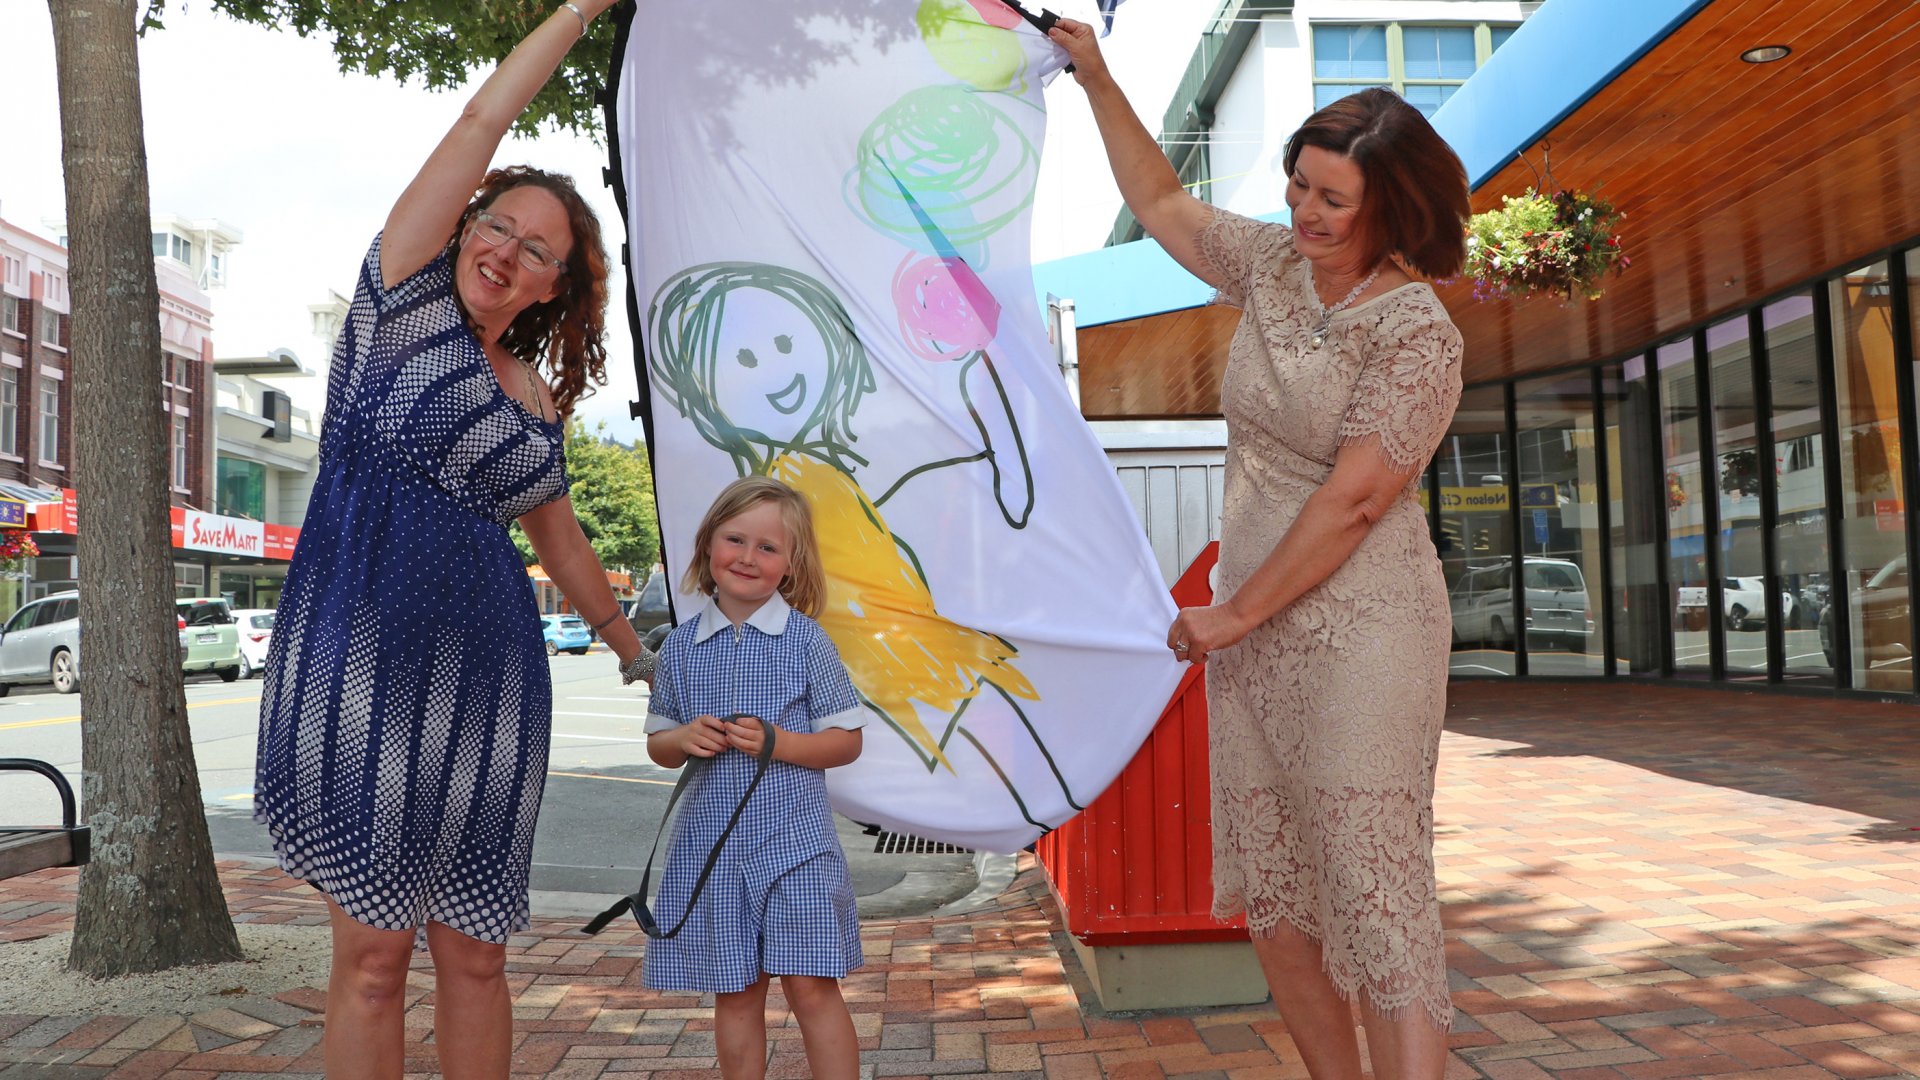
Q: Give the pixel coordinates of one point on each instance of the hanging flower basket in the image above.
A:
(1555, 245)
(16, 545)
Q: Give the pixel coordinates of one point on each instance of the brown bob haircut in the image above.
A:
(1415, 202)
(805, 586)
(567, 333)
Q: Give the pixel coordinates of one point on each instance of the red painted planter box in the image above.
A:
(1136, 867)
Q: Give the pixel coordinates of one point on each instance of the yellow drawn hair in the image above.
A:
(805, 586)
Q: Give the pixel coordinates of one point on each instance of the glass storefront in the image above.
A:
(1871, 510)
(1560, 549)
(1475, 534)
(1730, 504)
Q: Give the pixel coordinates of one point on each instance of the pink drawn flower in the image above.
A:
(945, 310)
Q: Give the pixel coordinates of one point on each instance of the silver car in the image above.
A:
(41, 644)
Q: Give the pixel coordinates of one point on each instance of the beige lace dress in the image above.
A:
(1326, 719)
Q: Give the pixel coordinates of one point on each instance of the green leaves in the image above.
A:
(440, 44)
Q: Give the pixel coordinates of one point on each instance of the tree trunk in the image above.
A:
(150, 899)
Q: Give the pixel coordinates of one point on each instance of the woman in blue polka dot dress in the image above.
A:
(406, 710)
(780, 900)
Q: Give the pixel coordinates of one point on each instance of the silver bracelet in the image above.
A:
(642, 666)
(578, 14)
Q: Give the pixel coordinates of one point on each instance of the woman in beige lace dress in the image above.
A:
(1331, 622)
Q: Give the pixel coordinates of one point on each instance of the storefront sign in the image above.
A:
(1491, 498)
(197, 531)
(13, 513)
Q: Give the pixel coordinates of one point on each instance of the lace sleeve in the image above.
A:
(1239, 248)
(1406, 394)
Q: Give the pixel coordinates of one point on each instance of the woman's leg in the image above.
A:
(472, 1013)
(1317, 1017)
(1409, 1046)
(826, 1027)
(366, 999)
(740, 1032)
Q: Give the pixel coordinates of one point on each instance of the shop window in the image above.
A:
(1871, 498)
(1423, 64)
(1687, 539)
(189, 580)
(242, 487)
(1636, 514)
(1736, 484)
(1475, 534)
(1801, 565)
(1556, 448)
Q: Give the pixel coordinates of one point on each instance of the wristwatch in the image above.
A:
(640, 667)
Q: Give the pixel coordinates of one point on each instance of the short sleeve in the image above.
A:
(832, 702)
(1406, 395)
(1239, 249)
(664, 711)
(435, 277)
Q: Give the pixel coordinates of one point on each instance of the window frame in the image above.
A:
(1396, 77)
(49, 449)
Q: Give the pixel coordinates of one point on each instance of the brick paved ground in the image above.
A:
(1638, 882)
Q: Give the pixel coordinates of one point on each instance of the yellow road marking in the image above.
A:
(76, 719)
(622, 779)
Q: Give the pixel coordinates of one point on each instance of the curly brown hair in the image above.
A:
(569, 331)
(1416, 200)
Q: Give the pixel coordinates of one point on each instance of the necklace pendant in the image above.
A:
(1319, 338)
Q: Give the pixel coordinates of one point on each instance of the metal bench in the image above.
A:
(24, 849)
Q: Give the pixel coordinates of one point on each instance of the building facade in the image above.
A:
(1703, 474)
(36, 411)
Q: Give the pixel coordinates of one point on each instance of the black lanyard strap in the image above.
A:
(637, 901)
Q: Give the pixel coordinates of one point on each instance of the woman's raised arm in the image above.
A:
(422, 221)
(1165, 209)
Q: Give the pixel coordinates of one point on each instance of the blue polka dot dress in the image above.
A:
(406, 709)
(780, 901)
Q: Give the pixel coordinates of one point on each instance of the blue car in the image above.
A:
(565, 632)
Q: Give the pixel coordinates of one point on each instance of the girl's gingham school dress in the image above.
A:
(780, 901)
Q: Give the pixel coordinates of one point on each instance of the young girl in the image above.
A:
(779, 901)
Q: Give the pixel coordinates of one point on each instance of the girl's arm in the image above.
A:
(1332, 522)
(827, 749)
(570, 563)
(422, 220)
(1152, 190)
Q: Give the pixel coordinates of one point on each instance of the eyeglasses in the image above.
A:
(533, 255)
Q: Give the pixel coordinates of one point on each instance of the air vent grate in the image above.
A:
(887, 843)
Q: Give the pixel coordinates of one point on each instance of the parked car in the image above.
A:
(256, 633)
(650, 615)
(213, 638)
(1879, 619)
(41, 644)
(1743, 600)
(1555, 608)
(566, 633)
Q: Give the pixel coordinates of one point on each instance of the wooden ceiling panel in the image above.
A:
(1738, 180)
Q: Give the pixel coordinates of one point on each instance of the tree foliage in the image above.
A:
(441, 43)
(612, 497)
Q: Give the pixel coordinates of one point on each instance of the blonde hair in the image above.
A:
(805, 586)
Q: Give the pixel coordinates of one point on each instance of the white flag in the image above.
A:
(828, 207)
